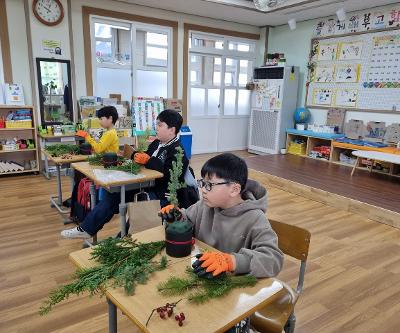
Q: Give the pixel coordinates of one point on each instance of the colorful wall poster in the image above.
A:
(324, 74)
(346, 97)
(327, 51)
(350, 50)
(322, 96)
(347, 73)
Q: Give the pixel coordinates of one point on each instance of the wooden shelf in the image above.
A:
(18, 172)
(5, 106)
(16, 151)
(17, 129)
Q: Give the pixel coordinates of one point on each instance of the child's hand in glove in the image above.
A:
(214, 262)
(82, 134)
(141, 158)
(170, 213)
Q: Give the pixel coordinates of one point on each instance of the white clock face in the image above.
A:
(49, 11)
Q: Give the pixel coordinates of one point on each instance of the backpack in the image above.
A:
(80, 200)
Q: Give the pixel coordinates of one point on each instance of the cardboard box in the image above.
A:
(392, 135)
(375, 131)
(355, 129)
(336, 118)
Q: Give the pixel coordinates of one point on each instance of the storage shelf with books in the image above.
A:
(23, 156)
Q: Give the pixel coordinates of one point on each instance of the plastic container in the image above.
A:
(179, 239)
(110, 159)
(186, 140)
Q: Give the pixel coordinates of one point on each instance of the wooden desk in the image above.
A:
(148, 177)
(374, 156)
(53, 138)
(56, 200)
(217, 315)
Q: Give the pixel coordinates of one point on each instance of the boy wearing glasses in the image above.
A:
(231, 218)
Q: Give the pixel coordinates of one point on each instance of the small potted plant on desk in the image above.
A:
(178, 231)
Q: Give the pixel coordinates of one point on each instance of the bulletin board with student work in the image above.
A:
(359, 71)
(145, 112)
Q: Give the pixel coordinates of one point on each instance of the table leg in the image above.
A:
(112, 317)
(355, 166)
(59, 189)
(122, 212)
(46, 167)
(92, 189)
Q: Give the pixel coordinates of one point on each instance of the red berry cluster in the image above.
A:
(180, 318)
(168, 310)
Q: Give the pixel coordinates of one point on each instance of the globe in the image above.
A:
(302, 115)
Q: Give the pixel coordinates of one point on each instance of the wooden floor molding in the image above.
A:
(366, 210)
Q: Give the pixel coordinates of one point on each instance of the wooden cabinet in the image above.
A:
(28, 158)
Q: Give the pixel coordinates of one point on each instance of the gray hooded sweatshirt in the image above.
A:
(242, 230)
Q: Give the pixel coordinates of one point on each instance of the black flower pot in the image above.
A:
(178, 238)
(85, 149)
(110, 159)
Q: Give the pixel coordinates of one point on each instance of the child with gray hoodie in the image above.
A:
(231, 218)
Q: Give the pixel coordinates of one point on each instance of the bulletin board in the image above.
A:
(145, 112)
(356, 71)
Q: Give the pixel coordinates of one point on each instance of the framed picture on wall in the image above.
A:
(346, 97)
(349, 73)
(322, 96)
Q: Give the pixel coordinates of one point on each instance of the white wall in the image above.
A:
(19, 46)
(296, 47)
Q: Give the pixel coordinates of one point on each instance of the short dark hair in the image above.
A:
(172, 118)
(227, 166)
(108, 111)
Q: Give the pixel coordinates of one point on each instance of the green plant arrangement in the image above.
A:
(142, 141)
(121, 263)
(123, 164)
(62, 149)
(201, 289)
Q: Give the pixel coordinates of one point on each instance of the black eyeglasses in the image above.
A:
(208, 185)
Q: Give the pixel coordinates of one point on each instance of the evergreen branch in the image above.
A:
(126, 261)
(203, 289)
(60, 149)
(143, 142)
(176, 173)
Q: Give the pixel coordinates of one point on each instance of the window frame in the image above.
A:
(224, 54)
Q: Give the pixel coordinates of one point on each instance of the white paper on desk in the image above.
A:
(114, 175)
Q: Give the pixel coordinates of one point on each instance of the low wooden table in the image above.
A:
(147, 179)
(57, 200)
(374, 156)
(217, 315)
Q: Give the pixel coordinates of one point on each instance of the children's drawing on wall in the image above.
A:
(347, 73)
(350, 50)
(322, 96)
(324, 74)
(346, 97)
(327, 51)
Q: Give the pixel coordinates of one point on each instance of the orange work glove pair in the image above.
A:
(141, 158)
(82, 133)
(213, 262)
(170, 213)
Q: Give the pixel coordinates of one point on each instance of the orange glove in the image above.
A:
(141, 158)
(217, 262)
(170, 213)
(82, 133)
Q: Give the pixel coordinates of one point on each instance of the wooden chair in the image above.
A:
(278, 316)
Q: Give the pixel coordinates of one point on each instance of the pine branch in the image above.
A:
(143, 142)
(122, 263)
(175, 173)
(203, 289)
(60, 149)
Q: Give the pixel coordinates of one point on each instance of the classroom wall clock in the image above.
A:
(49, 12)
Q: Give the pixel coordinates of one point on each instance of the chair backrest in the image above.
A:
(295, 242)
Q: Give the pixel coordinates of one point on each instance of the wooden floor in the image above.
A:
(376, 189)
(352, 281)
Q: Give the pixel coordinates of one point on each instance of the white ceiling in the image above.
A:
(243, 11)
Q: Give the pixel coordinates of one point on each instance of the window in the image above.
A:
(219, 70)
(132, 59)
